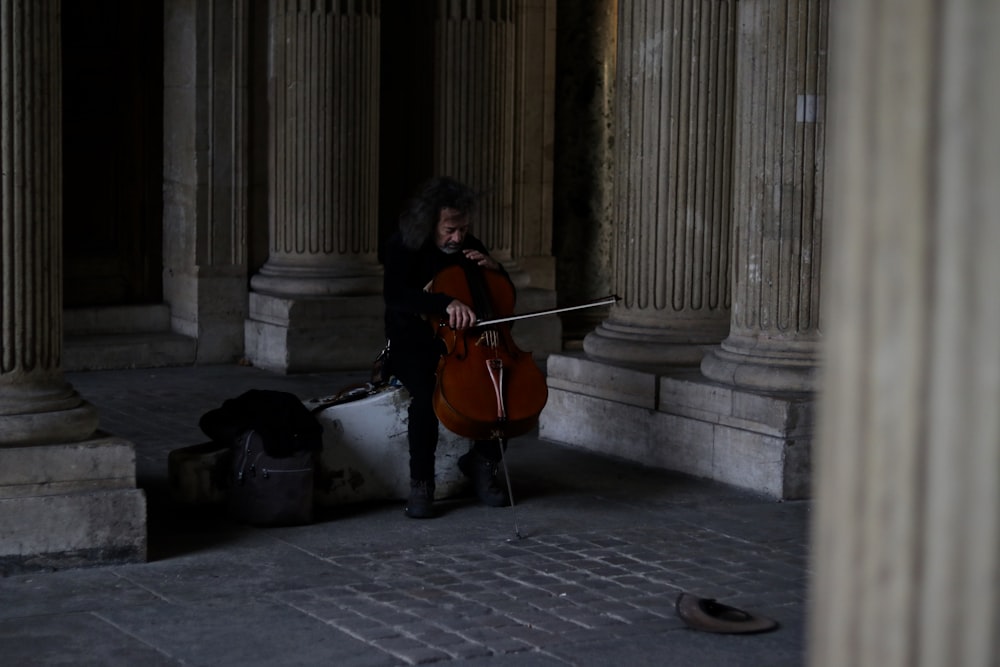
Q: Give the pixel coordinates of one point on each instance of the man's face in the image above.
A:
(451, 229)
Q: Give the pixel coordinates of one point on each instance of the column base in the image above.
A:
(619, 343)
(298, 277)
(756, 365)
(682, 422)
(301, 334)
(70, 505)
(69, 424)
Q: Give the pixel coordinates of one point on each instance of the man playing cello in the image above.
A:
(433, 235)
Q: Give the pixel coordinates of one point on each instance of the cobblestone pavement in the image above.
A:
(583, 571)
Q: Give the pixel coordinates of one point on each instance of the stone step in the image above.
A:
(140, 318)
(116, 337)
(127, 350)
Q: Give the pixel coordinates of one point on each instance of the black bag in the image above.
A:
(274, 442)
(267, 490)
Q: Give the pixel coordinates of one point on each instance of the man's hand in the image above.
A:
(460, 316)
(482, 260)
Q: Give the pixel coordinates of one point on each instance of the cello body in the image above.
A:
(486, 387)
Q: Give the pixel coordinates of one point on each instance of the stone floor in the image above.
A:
(583, 571)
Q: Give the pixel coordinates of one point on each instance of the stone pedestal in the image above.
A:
(294, 335)
(65, 505)
(682, 422)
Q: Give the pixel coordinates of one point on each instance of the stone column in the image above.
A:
(907, 522)
(486, 136)
(63, 490)
(777, 201)
(474, 112)
(37, 406)
(316, 301)
(631, 396)
(673, 141)
(533, 131)
(533, 137)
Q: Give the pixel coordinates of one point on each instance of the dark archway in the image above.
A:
(112, 159)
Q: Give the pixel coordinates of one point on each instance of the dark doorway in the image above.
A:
(407, 96)
(112, 152)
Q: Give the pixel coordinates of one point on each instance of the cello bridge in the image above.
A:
(489, 338)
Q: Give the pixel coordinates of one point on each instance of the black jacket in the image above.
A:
(285, 425)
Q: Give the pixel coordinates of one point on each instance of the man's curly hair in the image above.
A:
(420, 216)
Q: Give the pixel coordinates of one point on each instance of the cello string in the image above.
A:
(510, 492)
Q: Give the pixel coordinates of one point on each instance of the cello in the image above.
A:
(486, 388)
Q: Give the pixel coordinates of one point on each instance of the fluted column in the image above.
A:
(672, 152)
(778, 193)
(533, 132)
(907, 524)
(323, 133)
(474, 111)
(37, 406)
(316, 303)
(533, 135)
(67, 492)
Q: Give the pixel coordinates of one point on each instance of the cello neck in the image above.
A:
(482, 303)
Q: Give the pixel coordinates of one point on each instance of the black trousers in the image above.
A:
(415, 365)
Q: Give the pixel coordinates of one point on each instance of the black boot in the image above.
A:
(420, 504)
(483, 474)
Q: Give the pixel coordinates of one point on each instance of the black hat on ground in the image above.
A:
(710, 616)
